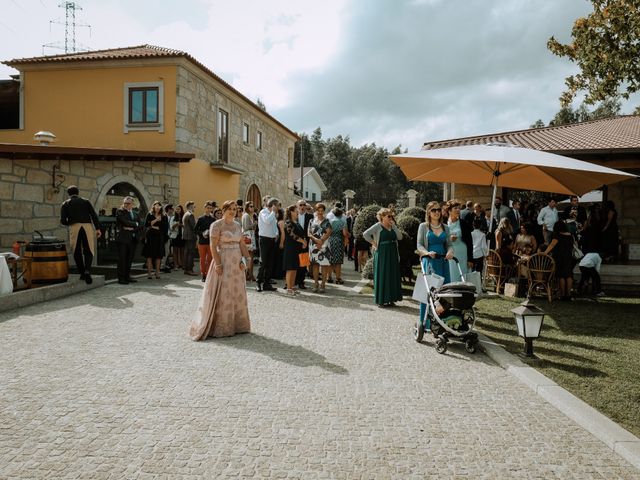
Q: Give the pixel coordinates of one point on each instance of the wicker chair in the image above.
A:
(542, 270)
(497, 270)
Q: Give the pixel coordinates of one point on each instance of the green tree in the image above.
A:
(537, 124)
(261, 104)
(606, 47)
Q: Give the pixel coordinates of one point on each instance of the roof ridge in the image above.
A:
(539, 129)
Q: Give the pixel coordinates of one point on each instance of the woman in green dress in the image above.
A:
(384, 236)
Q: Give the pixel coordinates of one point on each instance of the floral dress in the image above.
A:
(319, 256)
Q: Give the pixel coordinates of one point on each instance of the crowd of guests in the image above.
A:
(573, 235)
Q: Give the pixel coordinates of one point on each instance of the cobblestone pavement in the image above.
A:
(106, 384)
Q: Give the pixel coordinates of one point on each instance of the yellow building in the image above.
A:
(152, 99)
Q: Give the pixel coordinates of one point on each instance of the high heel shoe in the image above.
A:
(158, 275)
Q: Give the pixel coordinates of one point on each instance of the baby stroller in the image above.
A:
(451, 313)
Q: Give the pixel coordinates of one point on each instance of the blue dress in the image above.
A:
(459, 251)
(439, 266)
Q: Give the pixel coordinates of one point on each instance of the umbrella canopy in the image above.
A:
(509, 166)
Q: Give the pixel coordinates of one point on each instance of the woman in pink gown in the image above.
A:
(223, 307)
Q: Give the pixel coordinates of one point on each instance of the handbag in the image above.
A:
(476, 279)
(303, 258)
(576, 252)
(247, 239)
(420, 290)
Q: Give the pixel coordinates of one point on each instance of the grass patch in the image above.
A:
(590, 348)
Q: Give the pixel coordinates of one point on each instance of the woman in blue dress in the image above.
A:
(433, 241)
(460, 240)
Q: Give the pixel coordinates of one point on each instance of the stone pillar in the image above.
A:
(411, 195)
(348, 195)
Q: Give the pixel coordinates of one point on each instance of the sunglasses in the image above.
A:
(436, 210)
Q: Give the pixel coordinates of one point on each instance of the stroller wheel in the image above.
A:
(418, 331)
(470, 346)
(441, 345)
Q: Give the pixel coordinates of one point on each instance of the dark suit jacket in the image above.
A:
(466, 238)
(123, 219)
(78, 210)
(307, 221)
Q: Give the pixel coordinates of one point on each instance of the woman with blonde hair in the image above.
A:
(433, 248)
(223, 309)
(319, 233)
(384, 236)
(505, 241)
(460, 240)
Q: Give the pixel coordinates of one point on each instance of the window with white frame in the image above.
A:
(143, 106)
(223, 136)
(245, 133)
(259, 141)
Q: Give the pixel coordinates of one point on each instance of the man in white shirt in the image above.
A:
(590, 269)
(547, 217)
(268, 231)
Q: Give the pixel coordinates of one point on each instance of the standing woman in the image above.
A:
(177, 243)
(277, 272)
(610, 232)
(223, 310)
(561, 249)
(249, 232)
(384, 236)
(433, 248)
(460, 241)
(337, 241)
(505, 242)
(319, 233)
(156, 224)
(294, 244)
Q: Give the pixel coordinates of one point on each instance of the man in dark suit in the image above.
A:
(127, 233)
(79, 215)
(304, 219)
(581, 213)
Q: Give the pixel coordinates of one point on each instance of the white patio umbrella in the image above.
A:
(506, 165)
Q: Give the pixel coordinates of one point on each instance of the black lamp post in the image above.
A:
(529, 319)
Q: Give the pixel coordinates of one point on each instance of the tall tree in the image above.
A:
(606, 47)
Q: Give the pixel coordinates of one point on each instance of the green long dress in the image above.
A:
(387, 287)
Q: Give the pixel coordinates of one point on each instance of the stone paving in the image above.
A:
(107, 385)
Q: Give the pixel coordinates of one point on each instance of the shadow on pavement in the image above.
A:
(281, 352)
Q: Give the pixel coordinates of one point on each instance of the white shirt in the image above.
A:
(330, 216)
(480, 247)
(591, 260)
(267, 223)
(301, 219)
(548, 216)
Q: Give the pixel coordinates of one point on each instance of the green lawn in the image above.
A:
(590, 348)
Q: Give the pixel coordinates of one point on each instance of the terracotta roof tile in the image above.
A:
(130, 53)
(616, 133)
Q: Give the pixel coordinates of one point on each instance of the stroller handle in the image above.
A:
(439, 255)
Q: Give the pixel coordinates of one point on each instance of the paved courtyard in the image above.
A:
(106, 384)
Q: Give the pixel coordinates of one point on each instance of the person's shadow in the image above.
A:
(281, 352)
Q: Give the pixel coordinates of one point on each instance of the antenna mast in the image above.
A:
(70, 25)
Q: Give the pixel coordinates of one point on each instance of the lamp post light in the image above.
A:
(529, 319)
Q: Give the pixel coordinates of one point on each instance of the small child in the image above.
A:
(590, 269)
(480, 246)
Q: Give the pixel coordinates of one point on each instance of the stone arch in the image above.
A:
(253, 195)
(131, 180)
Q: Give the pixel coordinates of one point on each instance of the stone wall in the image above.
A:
(198, 101)
(28, 201)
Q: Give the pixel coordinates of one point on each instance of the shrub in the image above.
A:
(367, 270)
(416, 212)
(409, 225)
(366, 217)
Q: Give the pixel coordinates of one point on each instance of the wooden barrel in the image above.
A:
(49, 263)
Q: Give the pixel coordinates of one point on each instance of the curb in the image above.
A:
(621, 441)
(25, 298)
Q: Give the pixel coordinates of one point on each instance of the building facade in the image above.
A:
(150, 98)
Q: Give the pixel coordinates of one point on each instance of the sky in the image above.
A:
(389, 72)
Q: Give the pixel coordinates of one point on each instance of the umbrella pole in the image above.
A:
(496, 174)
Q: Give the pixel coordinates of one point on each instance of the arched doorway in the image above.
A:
(111, 201)
(253, 196)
